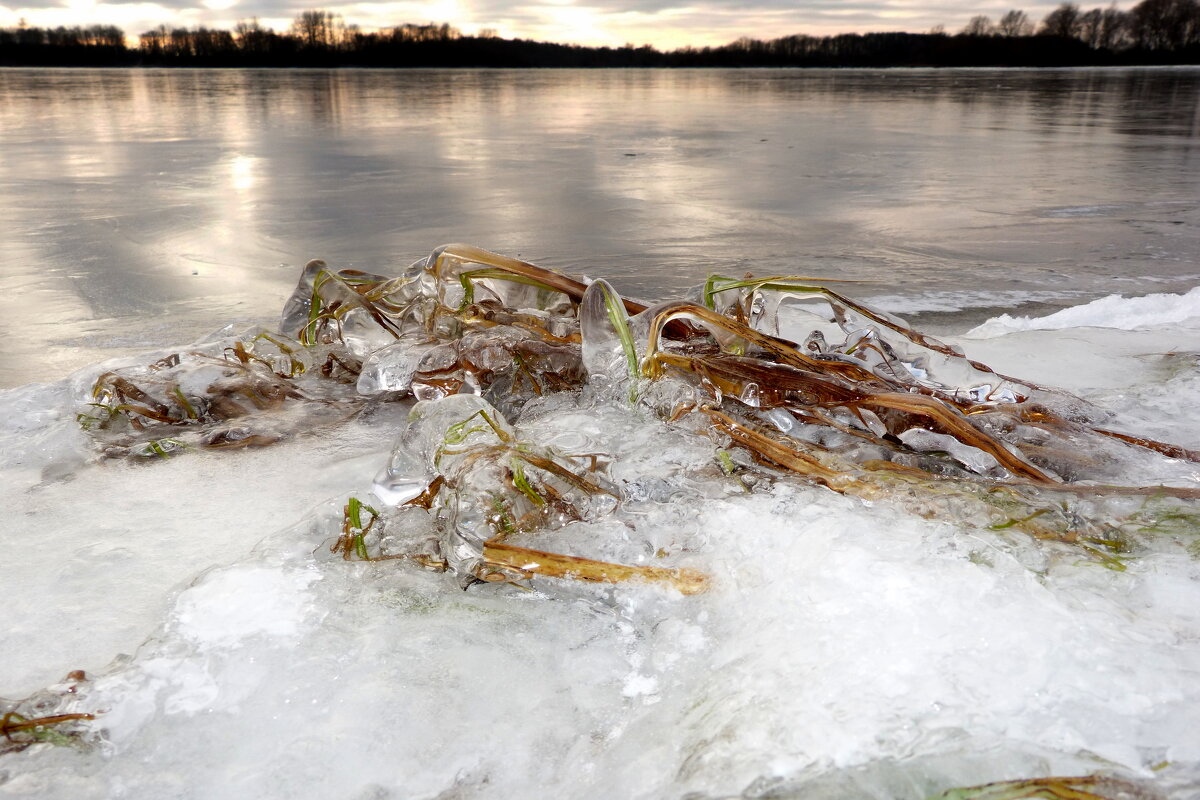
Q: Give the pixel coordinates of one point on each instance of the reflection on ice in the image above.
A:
(663, 595)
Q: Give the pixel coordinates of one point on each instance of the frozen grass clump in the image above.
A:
(770, 543)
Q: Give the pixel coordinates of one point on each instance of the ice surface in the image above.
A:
(959, 299)
(845, 648)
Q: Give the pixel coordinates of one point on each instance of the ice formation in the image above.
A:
(663, 595)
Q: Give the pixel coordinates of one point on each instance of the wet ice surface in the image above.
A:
(844, 649)
(143, 206)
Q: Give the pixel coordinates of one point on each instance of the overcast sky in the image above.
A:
(665, 24)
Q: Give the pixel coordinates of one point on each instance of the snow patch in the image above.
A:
(1114, 311)
(235, 604)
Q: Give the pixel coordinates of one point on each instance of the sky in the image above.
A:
(665, 24)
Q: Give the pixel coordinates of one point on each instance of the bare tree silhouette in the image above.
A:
(1063, 21)
(1165, 24)
(318, 29)
(1015, 23)
(979, 25)
(1153, 32)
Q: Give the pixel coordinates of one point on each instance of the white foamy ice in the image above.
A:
(93, 550)
(1137, 357)
(1114, 311)
(845, 649)
(834, 638)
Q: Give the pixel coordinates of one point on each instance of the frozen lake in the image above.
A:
(906, 633)
(139, 203)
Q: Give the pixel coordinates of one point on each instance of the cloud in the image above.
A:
(664, 23)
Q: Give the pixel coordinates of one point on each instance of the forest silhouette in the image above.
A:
(1152, 32)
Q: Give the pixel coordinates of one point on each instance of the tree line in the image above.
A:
(1152, 32)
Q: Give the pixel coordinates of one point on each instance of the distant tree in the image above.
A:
(154, 42)
(251, 37)
(1114, 29)
(979, 25)
(99, 36)
(1165, 24)
(27, 35)
(211, 44)
(62, 37)
(318, 29)
(1090, 25)
(425, 33)
(1062, 21)
(179, 43)
(1155, 31)
(1015, 23)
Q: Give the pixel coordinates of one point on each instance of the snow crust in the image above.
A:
(845, 649)
(1114, 311)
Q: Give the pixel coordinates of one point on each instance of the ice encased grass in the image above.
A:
(847, 647)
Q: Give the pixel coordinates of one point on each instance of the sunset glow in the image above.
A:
(665, 24)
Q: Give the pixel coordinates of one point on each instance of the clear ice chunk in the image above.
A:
(438, 432)
(609, 352)
(391, 368)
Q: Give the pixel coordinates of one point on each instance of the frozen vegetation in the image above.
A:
(480, 530)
